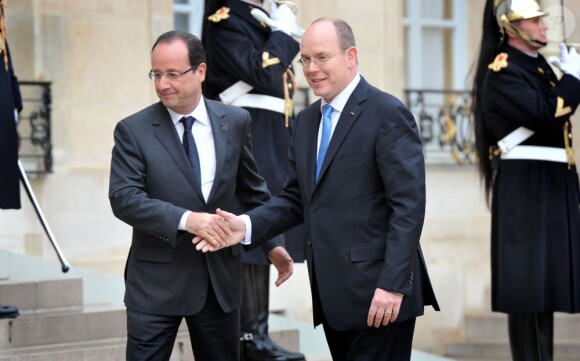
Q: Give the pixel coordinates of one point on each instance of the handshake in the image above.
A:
(223, 229)
(215, 231)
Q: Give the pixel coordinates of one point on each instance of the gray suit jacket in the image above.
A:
(364, 216)
(152, 184)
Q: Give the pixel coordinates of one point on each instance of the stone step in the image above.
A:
(493, 328)
(37, 329)
(501, 352)
(42, 295)
(109, 349)
(113, 349)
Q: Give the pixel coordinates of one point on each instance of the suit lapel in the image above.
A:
(167, 136)
(350, 114)
(219, 128)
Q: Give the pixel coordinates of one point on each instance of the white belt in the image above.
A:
(532, 152)
(238, 95)
(261, 101)
(513, 139)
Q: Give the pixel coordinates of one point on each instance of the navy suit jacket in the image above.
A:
(152, 184)
(364, 216)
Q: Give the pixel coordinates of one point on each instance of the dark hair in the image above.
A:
(343, 31)
(194, 46)
(491, 45)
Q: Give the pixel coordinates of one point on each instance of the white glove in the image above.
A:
(16, 115)
(283, 18)
(297, 31)
(569, 62)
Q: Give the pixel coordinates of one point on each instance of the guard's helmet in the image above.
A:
(507, 12)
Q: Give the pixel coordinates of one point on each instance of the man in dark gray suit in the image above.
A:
(357, 181)
(163, 192)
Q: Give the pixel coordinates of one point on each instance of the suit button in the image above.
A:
(313, 208)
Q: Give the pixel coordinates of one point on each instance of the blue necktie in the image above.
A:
(190, 147)
(325, 139)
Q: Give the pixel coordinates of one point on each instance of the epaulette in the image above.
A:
(499, 62)
(222, 14)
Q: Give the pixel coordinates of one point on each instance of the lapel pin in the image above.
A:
(224, 127)
(351, 114)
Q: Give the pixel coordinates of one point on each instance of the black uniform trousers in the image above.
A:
(531, 336)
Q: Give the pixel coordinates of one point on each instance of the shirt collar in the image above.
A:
(340, 100)
(199, 113)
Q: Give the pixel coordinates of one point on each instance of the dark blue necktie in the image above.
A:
(190, 147)
(325, 138)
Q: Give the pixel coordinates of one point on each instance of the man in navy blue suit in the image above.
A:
(362, 204)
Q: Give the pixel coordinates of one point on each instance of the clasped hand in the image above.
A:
(225, 229)
(220, 230)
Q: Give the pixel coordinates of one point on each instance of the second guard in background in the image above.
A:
(249, 65)
(10, 105)
(523, 123)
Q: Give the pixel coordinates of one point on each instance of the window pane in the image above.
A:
(181, 1)
(436, 9)
(181, 22)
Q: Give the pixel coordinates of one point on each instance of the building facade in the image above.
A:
(96, 56)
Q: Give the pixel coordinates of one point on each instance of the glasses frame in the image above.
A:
(305, 62)
(170, 75)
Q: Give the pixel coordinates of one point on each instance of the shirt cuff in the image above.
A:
(248, 240)
(183, 222)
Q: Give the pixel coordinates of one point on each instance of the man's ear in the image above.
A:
(201, 69)
(352, 55)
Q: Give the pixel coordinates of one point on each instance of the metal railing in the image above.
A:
(445, 124)
(34, 127)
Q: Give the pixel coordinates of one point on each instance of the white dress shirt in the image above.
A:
(203, 136)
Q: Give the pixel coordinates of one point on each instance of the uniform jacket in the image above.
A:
(10, 99)
(363, 218)
(535, 204)
(152, 184)
(242, 48)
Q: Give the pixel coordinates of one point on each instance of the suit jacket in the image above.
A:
(152, 184)
(235, 48)
(364, 216)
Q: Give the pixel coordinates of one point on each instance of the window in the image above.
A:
(435, 41)
(188, 16)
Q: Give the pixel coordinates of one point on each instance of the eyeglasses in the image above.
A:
(319, 60)
(170, 75)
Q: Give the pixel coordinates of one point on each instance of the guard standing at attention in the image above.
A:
(249, 65)
(523, 129)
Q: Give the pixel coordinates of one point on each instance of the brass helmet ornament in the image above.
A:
(508, 12)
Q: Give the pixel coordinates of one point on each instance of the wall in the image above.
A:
(96, 53)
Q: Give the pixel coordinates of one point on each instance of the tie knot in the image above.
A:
(327, 110)
(187, 122)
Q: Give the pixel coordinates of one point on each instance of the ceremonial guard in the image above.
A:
(249, 65)
(10, 105)
(523, 124)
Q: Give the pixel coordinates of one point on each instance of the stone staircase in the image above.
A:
(486, 338)
(73, 317)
